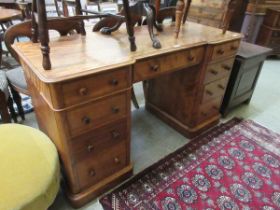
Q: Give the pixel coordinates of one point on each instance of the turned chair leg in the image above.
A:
(10, 104)
(18, 102)
(4, 109)
(134, 100)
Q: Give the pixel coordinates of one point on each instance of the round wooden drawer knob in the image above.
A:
(83, 91)
(226, 67)
(233, 47)
(114, 82)
(86, 120)
(155, 68)
(91, 172)
(190, 57)
(209, 92)
(204, 114)
(214, 72)
(90, 148)
(220, 51)
(117, 160)
(115, 110)
(115, 134)
(221, 87)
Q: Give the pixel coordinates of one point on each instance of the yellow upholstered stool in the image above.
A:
(29, 169)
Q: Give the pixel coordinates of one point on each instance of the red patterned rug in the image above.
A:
(234, 166)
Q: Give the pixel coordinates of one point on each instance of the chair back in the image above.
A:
(63, 26)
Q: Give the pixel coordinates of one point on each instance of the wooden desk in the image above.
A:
(83, 103)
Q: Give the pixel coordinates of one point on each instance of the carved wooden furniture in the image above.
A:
(269, 35)
(40, 29)
(244, 76)
(25, 6)
(138, 10)
(84, 104)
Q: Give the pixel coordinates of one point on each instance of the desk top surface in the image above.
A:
(74, 56)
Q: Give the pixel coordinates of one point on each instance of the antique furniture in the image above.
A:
(16, 76)
(138, 10)
(40, 30)
(83, 103)
(269, 35)
(256, 10)
(25, 6)
(6, 16)
(6, 102)
(213, 12)
(29, 166)
(244, 75)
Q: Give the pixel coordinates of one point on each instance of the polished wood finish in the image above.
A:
(92, 127)
(269, 34)
(9, 14)
(243, 79)
(179, 16)
(224, 14)
(230, 9)
(263, 5)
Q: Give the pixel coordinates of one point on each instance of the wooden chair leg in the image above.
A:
(4, 109)
(13, 114)
(17, 100)
(134, 100)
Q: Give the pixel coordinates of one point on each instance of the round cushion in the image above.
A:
(29, 169)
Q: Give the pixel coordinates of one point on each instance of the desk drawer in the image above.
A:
(84, 89)
(151, 67)
(97, 113)
(218, 70)
(98, 140)
(225, 49)
(214, 90)
(105, 163)
(209, 109)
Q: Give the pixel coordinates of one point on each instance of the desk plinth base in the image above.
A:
(180, 127)
(80, 199)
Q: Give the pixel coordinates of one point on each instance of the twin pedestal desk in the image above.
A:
(83, 103)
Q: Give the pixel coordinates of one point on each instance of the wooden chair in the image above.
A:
(16, 76)
(6, 102)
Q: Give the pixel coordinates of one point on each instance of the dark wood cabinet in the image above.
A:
(269, 35)
(244, 76)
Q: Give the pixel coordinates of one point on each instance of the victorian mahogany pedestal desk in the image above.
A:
(83, 103)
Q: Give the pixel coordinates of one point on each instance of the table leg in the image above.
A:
(78, 9)
(43, 33)
(129, 26)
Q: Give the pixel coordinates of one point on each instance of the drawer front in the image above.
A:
(218, 70)
(98, 113)
(84, 89)
(90, 144)
(214, 90)
(92, 170)
(272, 18)
(225, 49)
(209, 109)
(152, 67)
